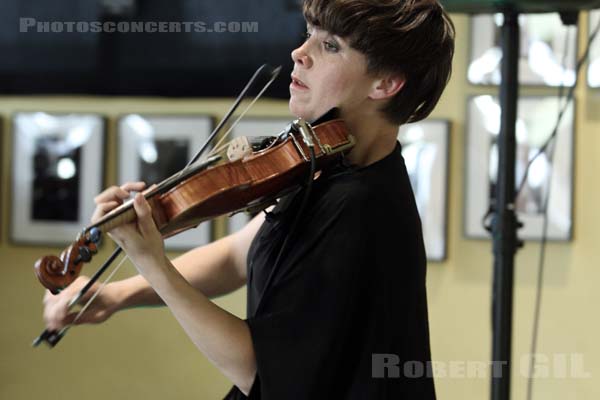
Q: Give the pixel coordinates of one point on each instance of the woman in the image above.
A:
(345, 315)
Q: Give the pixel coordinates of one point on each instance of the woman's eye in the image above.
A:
(307, 35)
(329, 46)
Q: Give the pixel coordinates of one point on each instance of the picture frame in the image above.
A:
(426, 153)
(543, 50)
(2, 138)
(536, 119)
(253, 126)
(593, 70)
(152, 147)
(57, 169)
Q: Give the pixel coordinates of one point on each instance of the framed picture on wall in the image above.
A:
(1, 175)
(546, 45)
(154, 147)
(425, 149)
(593, 74)
(57, 170)
(548, 175)
(253, 126)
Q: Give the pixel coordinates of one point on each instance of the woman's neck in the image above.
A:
(375, 138)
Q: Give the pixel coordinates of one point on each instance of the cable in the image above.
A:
(569, 99)
(309, 182)
(542, 256)
(543, 242)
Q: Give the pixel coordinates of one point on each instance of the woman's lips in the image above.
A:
(298, 84)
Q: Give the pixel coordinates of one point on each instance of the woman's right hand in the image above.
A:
(57, 314)
(56, 307)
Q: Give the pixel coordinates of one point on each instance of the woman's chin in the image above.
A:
(295, 110)
(301, 112)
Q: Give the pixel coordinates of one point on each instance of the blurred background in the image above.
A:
(193, 76)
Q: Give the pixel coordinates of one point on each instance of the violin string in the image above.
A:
(219, 150)
(234, 123)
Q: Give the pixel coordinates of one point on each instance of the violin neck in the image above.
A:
(121, 215)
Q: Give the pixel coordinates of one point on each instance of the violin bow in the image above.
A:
(53, 337)
(273, 73)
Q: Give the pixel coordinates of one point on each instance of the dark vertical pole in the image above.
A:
(505, 223)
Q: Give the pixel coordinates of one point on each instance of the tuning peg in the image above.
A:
(94, 236)
(85, 255)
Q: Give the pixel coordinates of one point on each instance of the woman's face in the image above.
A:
(327, 73)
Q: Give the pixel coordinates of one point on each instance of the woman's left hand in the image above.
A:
(141, 239)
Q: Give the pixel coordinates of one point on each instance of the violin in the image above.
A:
(250, 180)
(251, 175)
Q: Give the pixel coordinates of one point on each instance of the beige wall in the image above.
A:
(144, 353)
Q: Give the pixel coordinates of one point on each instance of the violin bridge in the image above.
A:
(239, 148)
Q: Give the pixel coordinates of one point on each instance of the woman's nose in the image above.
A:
(300, 56)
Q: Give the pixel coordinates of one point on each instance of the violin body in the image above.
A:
(248, 183)
(185, 200)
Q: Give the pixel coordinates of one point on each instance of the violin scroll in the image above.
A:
(56, 273)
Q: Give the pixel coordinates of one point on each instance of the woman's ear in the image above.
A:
(387, 86)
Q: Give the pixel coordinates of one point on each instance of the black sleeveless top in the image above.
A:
(348, 301)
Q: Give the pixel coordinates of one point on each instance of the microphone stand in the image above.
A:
(505, 224)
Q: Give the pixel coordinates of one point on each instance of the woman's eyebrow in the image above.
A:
(338, 39)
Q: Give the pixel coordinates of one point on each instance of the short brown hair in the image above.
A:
(412, 37)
